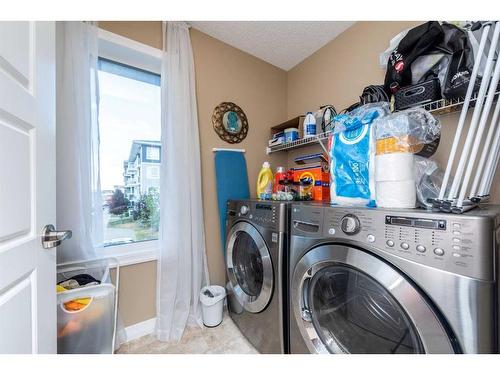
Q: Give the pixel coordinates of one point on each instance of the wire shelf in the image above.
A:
(439, 107)
(446, 106)
(299, 143)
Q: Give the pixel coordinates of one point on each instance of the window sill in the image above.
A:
(129, 254)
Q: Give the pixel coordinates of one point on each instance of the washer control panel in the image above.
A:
(462, 244)
(455, 243)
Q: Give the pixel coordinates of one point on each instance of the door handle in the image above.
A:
(52, 237)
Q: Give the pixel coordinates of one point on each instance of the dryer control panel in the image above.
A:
(462, 244)
(267, 214)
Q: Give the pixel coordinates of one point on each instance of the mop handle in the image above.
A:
(481, 171)
(465, 108)
(475, 117)
(479, 135)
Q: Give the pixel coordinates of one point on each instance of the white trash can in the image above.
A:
(212, 304)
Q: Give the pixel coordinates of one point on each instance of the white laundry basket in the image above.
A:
(90, 330)
(212, 304)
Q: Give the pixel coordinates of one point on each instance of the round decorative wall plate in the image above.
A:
(230, 122)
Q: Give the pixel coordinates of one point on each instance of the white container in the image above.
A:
(212, 308)
(92, 329)
(291, 134)
(309, 125)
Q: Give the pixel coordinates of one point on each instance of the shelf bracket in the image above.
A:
(323, 146)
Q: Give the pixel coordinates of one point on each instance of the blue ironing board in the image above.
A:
(232, 183)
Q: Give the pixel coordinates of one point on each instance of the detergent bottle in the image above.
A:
(265, 182)
(280, 175)
(309, 125)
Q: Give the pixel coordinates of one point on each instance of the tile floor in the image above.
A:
(223, 339)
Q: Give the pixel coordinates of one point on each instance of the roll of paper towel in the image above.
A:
(396, 194)
(394, 167)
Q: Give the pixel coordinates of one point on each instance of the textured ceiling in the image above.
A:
(281, 43)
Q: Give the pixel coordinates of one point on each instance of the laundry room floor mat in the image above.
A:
(223, 339)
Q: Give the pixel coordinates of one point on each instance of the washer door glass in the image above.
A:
(353, 313)
(249, 267)
(247, 263)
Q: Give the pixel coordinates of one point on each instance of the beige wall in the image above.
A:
(223, 73)
(336, 74)
(137, 293)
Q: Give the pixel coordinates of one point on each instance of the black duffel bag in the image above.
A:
(428, 51)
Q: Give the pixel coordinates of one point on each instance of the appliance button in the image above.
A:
(331, 231)
(389, 243)
(456, 247)
(456, 225)
(405, 246)
(251, 216)
(457, 240)
(456, 255)
(456, 233)
(421, 248)
(370, 238)
(244, 210)
(439, 251)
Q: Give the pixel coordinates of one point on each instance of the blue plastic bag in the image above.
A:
(352, 156)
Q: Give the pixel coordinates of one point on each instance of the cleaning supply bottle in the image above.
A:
(265, 182)
(280, 175)
(309, 125)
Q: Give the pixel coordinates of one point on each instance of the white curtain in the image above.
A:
(182, 266)
(79, 206)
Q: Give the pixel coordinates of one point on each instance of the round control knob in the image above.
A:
(390, 243)
(244, 210)
(405, 246)
(421, 248)
(438, 251)
(350, 224)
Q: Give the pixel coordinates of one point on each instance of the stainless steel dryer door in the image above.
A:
(347, 301)
(249, 267)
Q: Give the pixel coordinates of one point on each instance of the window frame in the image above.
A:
(138, 55)
(149, 153)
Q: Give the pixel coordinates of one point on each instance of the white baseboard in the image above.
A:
(140, 329)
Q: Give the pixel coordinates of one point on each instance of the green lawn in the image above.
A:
(141, 232)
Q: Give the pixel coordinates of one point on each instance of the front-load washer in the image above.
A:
(256, 250)
(393, 281)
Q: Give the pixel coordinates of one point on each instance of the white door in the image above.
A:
(27, 187)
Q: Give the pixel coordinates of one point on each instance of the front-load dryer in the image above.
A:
(393, 281)
(256, 250)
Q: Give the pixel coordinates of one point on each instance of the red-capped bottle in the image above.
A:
(279, 176)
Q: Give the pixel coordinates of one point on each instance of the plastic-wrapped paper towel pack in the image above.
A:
(352, 156)
(400, 136)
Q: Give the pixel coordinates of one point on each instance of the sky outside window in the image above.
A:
(128, 110)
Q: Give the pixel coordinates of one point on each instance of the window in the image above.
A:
(152, 153)
(153, 172)
(129, 122)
